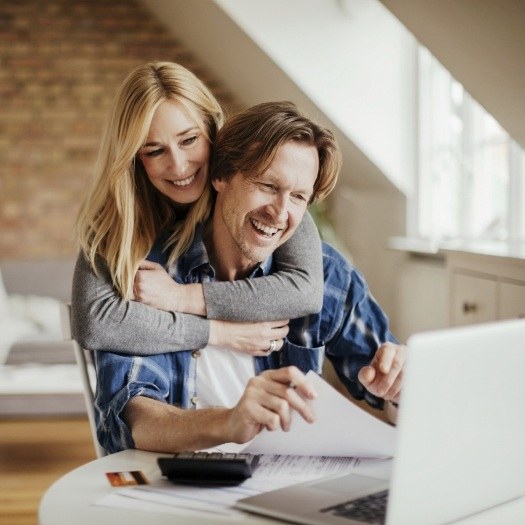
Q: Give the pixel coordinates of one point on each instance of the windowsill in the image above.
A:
(437, 249)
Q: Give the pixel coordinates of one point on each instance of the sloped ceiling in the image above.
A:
(482, 43)
(233, 57)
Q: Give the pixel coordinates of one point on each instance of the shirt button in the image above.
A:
(194, 400)
(196, 353)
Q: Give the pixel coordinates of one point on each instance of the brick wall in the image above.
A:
(60, 63)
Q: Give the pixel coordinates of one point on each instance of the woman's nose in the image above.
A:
(179, 162)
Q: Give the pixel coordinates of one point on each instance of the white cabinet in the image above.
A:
(484, 288)
(473, 299)
(511, 300)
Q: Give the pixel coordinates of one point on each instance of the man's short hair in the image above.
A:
(248, 142)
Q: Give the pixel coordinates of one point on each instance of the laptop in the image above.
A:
(460, 445)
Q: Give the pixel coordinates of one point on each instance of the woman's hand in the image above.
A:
(247, 337)
(153, 286)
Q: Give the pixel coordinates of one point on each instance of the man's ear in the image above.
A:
(218, 184)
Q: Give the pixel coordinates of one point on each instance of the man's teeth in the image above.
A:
(184, 182)
(265, 229)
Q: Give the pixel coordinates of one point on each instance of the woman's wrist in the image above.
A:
(190, 299)
(216, 333)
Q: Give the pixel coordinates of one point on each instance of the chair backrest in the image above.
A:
(87, 373)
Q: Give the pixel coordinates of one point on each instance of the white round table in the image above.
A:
(71, 499)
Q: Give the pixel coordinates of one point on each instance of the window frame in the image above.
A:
(514, 214)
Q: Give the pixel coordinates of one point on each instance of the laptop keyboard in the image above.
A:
(368, 509)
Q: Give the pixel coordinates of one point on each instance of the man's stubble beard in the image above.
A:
(251, 253)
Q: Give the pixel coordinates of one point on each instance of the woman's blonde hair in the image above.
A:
(123, 213)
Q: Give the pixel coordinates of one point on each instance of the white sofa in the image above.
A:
(38, 373)
(30, 294)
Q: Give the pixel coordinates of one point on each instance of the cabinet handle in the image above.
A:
(469, 307)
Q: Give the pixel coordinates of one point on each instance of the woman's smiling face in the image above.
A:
(176, 154)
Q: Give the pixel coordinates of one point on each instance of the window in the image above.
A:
(471, 182)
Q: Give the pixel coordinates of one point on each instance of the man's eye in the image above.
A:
(299, 197)
(268, 187)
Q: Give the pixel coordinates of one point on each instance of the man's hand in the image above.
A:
(267, 402)
(383, 376)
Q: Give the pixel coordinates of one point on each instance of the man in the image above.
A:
(194, 400)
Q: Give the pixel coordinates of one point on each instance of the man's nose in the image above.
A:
(279, 208)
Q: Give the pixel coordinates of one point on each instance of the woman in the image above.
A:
(151, 185)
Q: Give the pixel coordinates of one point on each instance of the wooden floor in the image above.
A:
(33, 454)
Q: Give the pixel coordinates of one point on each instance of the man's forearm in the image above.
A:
(160, 427)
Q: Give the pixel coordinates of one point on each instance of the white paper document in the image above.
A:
(272, 472)
(341, 429)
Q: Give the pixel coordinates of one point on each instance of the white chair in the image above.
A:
(87, 373)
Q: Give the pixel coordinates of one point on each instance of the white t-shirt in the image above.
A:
(222, 376)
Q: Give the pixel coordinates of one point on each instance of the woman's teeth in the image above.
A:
(184, 182)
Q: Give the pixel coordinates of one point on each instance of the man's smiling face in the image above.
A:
(255, 215)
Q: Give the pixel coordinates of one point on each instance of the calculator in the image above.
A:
(208, 468)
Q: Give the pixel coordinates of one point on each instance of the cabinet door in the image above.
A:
(474, 299)
(511, 300)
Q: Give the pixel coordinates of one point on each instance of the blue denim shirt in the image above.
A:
(348, 330)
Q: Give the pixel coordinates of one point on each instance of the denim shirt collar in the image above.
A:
(194, 264)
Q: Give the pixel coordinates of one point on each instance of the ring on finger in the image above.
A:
(272, 347)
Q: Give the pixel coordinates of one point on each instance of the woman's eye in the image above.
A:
(154, 153)
(189, 141)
